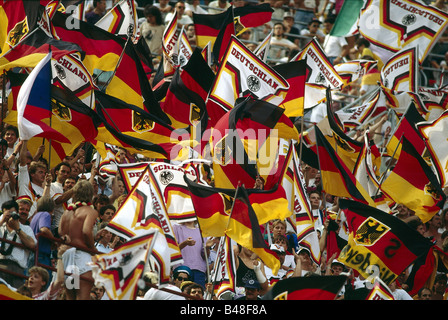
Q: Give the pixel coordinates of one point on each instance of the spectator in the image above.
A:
(182, 18)
(60, 197)
(193, 6)
(305, 12)
(191, 243)
(252, 290)
(152, 29)
(79, 232)
(25, 204)
(291, 30)
(280, 46)
(336, 48)
(312, 30)
(99, 10)
(164, 7)
(14, 258)
(218, 6)
(7, 183)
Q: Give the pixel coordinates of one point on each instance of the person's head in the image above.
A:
(153, 15)
(190, 30)
(280, 251)
(336, 267)
(99, 5)
(252, 288)
(444, 218)
(99, 201)
(107, 212)
(305, 255)
(328, 24)
(195, 290)
(362, 43)
(69, 183)
(76, 169)
(279, 29)
(278, 227)
(314, 197)
(37, 171)
(180, 8)
(417, 225)
(62, 171)
(281, 240)
(25, 204)
(314, 25)
(82, 191)
(424, 294)
(440, 284)
(11, 135)
(10, 206)
(97, 292)
(245, 35)
(45, 204)
(288, 19)
(180, 274)
(38, 279)
(435, 222)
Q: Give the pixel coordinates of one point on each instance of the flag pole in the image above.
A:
(388, 167)
(215, 266)
(3, 96)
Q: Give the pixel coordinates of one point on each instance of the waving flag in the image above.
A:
(307, 288)
(261, 51)
(321, 71)
(245, 142)
(32, 49)
(207, 27)
(407, 127)
(380, 291)
(120, 270)
(400, 73)
(436, 135)
(346, 23)
(353, 70)
(187, 92)
(337, 179)
(170, 45)
(143, 210)
(33, 104)
(413, 183)
(293, 182)
(251, 16)
(121, 20)
(185, 49)
(242, 74)
(294, 73)
(113, 62)
(395, 25)
(227, 30)
(173, 189)
(17, 19)
(223, 274)
(379, 242)
(244, 228)
(435, 101)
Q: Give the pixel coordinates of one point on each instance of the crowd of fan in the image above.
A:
(34, 197)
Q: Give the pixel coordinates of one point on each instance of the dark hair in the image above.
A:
(10, 204)
(12, 128)
(104, 208)
(60, 164)
(363, 42)
(154, 11)
(101, 198)
(330, 20)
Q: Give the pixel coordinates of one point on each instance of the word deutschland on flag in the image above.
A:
(398, 24)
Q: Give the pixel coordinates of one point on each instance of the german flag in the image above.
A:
(294, 73)
(17, 19)
(213, 206)
(251, 16)
(413, 183)
(241, 136)
(113, 62)
(207, 27)
(380, 291)
(223, 38)
(34, 48)
(185, 99)
(337, 179)
(425, 269)
(407, 128)
(307, 288)
(244, 228)
(134, 129)
(381, 240)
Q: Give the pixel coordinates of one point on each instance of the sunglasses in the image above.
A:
(182, 279)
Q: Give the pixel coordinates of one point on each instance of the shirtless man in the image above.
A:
(76, 227)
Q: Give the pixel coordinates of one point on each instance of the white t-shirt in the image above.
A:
(333, 45)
